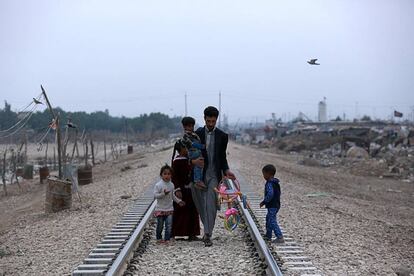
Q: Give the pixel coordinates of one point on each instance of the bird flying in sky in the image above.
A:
(313, 61)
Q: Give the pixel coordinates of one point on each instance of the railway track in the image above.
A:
(119, 251)
(291, 257)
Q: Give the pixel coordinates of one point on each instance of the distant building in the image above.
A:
(322, 111)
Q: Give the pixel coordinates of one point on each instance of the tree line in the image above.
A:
(146, 125)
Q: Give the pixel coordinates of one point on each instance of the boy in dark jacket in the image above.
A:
(192, 142)
(272, 202)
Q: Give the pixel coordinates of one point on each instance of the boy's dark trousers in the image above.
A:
(271, 223)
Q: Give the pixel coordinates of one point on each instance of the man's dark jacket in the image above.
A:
(220, 147)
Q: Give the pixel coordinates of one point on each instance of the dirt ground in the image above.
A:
(30, 200)
(35, 243)
(349, 225)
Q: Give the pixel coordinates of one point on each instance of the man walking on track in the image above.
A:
(215, 166)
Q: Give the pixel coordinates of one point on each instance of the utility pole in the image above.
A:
(185, 103)
(356, 111)
(56, 119)
(412, 113)
(219, 122)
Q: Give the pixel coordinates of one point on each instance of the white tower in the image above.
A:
(322, 111)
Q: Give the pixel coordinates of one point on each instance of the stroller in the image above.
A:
(228, 192)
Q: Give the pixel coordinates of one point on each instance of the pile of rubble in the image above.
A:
(382, 152)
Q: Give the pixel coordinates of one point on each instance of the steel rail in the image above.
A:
(272, 267)
(123, 257)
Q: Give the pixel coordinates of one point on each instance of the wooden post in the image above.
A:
(77, 150)
(93, 154)
(105, 148)
(14, 175)
(126, 131)
(56, 118)
(20, 157)
(58, 147)
(86, 153)
(116, 151)
(113, 151)
(83, 138)
(75, 145)
(54, 158)
(25, 146)
(65, 145)
(12, 158)
(47, 146)
(96, 149)
(4, 172)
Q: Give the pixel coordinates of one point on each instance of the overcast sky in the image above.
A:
(135, 57)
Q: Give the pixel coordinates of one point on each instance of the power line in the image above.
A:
(17, 125)
(18, 122)
(44, 136)
(32, 102)
(25, 116)
(17, 130)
